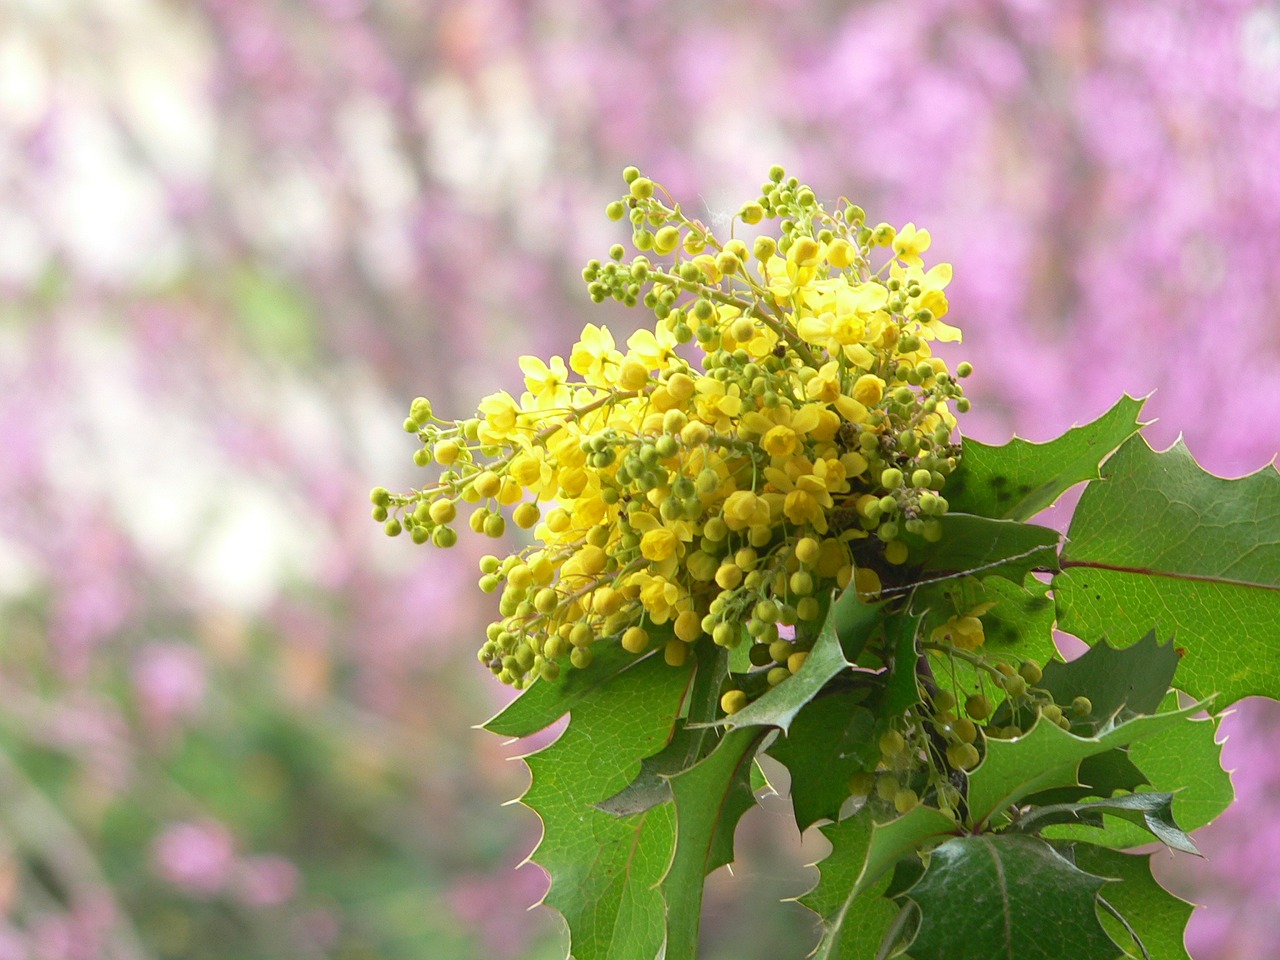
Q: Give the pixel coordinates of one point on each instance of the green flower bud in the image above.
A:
(1082, 706)
(392, 528)
(891, 479)
(642, 188)
(616, 210)
(979, 706)
(733, 701)
(1030, 671)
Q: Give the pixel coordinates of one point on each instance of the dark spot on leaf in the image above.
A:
(955, 485)
(999, 481)
(1003, 496)
(1024, 489)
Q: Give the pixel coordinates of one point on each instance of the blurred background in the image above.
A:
(237, 237)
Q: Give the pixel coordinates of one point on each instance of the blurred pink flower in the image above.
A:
(265, 881)
(169, 679)
(197, 857)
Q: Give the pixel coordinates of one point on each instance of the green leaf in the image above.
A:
(1185, 760)
(1046, 757)
(1007, 898)
(548, 700)
(1156, 916)
(1019, 479)
(814, 752)
(972, 544)
(1134, 679)
(710, 798)
(902, 689)
(778, 706)
(1150, 811)
(894, 839)
(853, 924)
(852, 620)
(1162, 543)
(1019, 626)
(693, 739)
(605, 870)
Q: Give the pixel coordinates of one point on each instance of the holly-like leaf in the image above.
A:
(894, 839)
(605, 870)
(902, 688)
(1018, 626)
(1047, 757)
(1019, 479)
(1007, 897)
(981, 545)
(818, 754)
(548, 700)
(853, 924)
(1184, 760)
(1134, 679)
(1161, 542)
(1157, 917)
(693, 739)
(778, 706)
(710, 799)
(1150, 811)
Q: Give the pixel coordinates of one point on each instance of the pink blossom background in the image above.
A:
(238, 236)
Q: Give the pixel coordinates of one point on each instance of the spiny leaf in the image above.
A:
(981, 545)
(1046, 757)
(818, 754)
(1019, 479)
(1134, 679)
(853, 924)
(1007, 898)
(1161, 542)
(548, 700)
(604, 869)
(1152, 811)
(1019, 625)
(1156, 916)
(692, 740)
(1185, 760)
(894, 839)
(902, 688)
(777, 707)
(710, 798)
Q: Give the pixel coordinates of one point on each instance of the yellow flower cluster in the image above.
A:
(782, 431)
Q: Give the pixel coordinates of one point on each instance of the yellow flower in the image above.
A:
(655, 349)
(779, 441)
(500, 417)
(825, 387)
(910, 243)
(594, 358)
(659, 596)
(963, 632)
(548, 384)
(744, 509)
(868, 389)
(718, 403)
